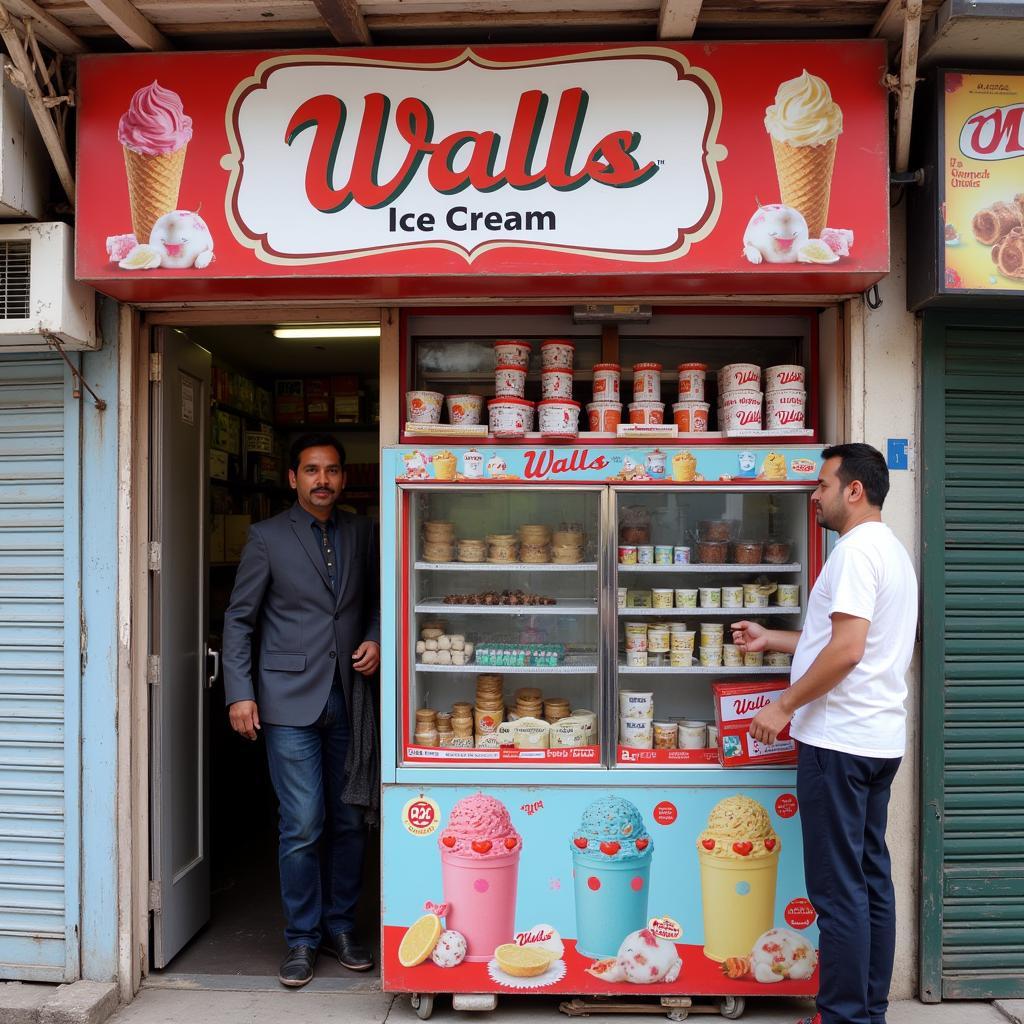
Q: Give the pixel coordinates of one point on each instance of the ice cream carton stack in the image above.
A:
(740, 398)
(557, 414)
(785, 397)
(510, 413)
(736, 704)
(647, 406)
(605, 410)
(690, 413)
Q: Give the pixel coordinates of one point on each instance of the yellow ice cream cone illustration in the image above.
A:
(804, 125)
(153, 185)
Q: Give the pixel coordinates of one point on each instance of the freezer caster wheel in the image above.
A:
(423, 1005)
(732, 1007)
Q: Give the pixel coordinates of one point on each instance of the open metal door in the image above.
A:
(179, 694)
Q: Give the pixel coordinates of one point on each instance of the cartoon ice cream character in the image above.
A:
(774, 234)
(480, 851)
(183, 240)
(154, 134)
(496, 466)
(778, 955)
(739, 866)
(611, 853)
(748, 464)
(415, 466)
(643, 959)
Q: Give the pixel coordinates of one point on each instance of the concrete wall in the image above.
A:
(885, 401)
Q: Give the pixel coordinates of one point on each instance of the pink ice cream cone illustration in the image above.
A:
(154, 133)
(480, 873)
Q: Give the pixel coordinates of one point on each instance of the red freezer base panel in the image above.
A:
(699, 977)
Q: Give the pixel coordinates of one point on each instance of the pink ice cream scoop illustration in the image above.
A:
(644, 959)
(480, 851)
(154, 134)
(775, 234)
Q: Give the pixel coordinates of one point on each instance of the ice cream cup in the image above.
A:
(662, 597)
(444, 463)
(712, 735)
(604, 416)
(682, 640)
(785, 409)
(712, 634)
(691, 381)
(777, 659)
(636, 732)
(692, 735)
(787, 595)
(679, 658)
(732, 596)
(627, 554)
(686, 598)
(710, 597)
(464, 408)
(635, 704)
(645, 554)
(651, 413)
(684, 467)
(589, 720)
(509, 417)
(754, 596)
(657, 639)
(663, 555)
(739, 902)
(568, 732)
(647, 383)
(556, 383)
(665, 735)
(636, 657)
(510, 382)
(654, 463)
(680, 554)
(740, 410)
(472, 464)
(785, 375)
(556, 353)
(691, 417)
(606, 382)
(423, 406)
(611, 901)
(710, 657)
(732, 656)
(558, 417)
(739, 377)
(481, 897)
(512, 353)
(753, 659)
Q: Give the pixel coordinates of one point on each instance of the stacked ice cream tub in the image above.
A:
(510, 413)
(744, 406)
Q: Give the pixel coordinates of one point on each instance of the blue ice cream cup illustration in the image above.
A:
(611, 853)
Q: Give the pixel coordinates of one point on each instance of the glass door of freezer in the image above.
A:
(501, 625)
(688, 563)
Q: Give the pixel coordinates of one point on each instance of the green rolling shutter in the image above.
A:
(972, 733)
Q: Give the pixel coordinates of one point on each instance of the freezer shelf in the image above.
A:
(519, 670)
(704, 613)
(724, 567)
(568, 606)
(507, 566)
(701, 670)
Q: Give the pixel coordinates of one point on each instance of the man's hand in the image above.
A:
(366, 658)
(245, 718)
(750, 636)
(769, 722)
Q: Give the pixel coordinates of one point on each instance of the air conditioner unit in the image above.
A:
(39, 295)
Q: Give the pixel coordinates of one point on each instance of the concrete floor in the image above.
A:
(175, 1006)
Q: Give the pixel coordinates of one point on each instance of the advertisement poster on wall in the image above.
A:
(625, 890)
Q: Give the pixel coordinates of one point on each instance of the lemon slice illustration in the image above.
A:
(816, 251)
(419, 941)
(522, 961)
(142, 257)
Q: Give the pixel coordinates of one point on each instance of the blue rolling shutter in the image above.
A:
(40, 641)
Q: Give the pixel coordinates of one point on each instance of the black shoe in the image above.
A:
(351, 953)
(297, 967)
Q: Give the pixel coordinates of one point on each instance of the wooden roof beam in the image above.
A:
(678, 18)
(344, 19)
(134, 28)
(54, 33)
(890, 22)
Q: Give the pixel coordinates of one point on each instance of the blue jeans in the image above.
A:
(844, 801)
(319, 887)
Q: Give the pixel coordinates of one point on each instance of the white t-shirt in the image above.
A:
(870, 575)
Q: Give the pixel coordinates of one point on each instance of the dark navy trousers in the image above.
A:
(844, 802)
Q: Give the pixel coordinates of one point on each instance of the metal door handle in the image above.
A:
(212, 678)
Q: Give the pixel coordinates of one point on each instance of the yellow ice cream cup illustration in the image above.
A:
(774, 467)
(804, 125)
(444, 465)
(684, 467)
(739, 865)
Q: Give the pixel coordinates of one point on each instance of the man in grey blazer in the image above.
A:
(309, 582)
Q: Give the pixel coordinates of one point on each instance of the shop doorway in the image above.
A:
(226, 404)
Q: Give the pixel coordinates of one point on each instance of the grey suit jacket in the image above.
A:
(305, 631)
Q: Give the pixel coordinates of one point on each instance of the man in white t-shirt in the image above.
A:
(846, 708)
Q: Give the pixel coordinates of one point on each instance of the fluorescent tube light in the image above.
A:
(312, 333)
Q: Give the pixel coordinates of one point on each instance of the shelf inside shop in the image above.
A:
(518, 670)
(705, 613)
(713, 567)
(567, 606)
(510, 566)
(702, 670)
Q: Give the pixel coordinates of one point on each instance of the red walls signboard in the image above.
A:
(584, 170)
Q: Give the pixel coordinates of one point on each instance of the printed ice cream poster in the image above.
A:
(982, 216)
(587, 891)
